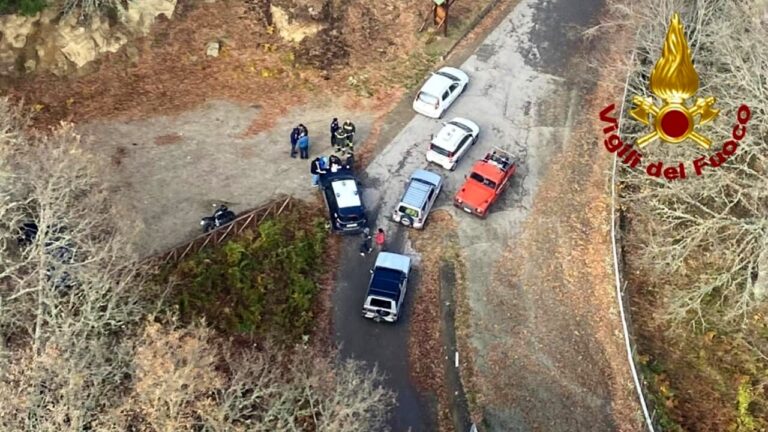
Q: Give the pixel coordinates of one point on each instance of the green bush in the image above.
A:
(23, 7)
(261, 283)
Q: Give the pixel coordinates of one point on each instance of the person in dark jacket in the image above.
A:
(365, 246)
(294, 140)
(317, 169)
(349, 162)
(334, 128)
(334, 163)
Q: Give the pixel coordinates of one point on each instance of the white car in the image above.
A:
(452, 142)
(439, 92)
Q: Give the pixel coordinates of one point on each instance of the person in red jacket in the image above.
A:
(379, 239)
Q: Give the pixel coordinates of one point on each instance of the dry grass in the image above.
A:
(254, 66)
(426, 347)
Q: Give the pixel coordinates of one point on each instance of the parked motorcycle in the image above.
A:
(221, 217)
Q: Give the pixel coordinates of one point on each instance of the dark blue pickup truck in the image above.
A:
(386, 290)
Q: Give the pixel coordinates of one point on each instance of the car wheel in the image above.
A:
(406, 221)
(453, 167)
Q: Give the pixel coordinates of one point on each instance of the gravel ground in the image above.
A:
(172, 169)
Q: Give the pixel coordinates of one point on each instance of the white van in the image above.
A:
(452, 142)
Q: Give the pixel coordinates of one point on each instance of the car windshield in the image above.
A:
(480, 179)
(408, 211)
(381, 303)
(460, 126)
(447, 75)
(439, 150)
(350, 214)
(427, 98)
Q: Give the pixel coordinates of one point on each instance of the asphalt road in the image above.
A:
(519, 97)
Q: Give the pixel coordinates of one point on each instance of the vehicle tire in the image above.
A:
(453, 167)
(406, 220)
(477, 137)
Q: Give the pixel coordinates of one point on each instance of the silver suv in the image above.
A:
(419, 197)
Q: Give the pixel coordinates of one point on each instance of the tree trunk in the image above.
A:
(760, 286)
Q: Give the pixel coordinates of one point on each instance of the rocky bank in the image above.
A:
(50, 42)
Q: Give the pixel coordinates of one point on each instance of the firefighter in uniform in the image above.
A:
(349, 131)
(339, 140)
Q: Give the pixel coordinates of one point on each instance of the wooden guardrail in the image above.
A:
(216, 236)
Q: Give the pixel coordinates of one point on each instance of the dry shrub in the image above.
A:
(81, 348)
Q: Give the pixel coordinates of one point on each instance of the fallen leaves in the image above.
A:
(426, 351)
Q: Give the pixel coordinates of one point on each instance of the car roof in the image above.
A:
(385, 282)
(345, 190)
(436, 85)
(422, 181)
(393, 261)
(427, 176)
(449, 137)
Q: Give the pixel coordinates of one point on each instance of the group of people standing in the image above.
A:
(300, 139)
(322, 165)
(343, 137)
(343, 143)
(365, 246)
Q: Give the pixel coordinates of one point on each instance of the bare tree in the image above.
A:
(709, 230)
(81, 349)
(187, 380)
(66, 284)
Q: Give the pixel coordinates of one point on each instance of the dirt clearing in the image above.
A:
(171, 169)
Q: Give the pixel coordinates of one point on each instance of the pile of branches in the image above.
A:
(710, 231)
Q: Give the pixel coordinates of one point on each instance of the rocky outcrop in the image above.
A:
(141, 14)
(293, 29)
(48, 42)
